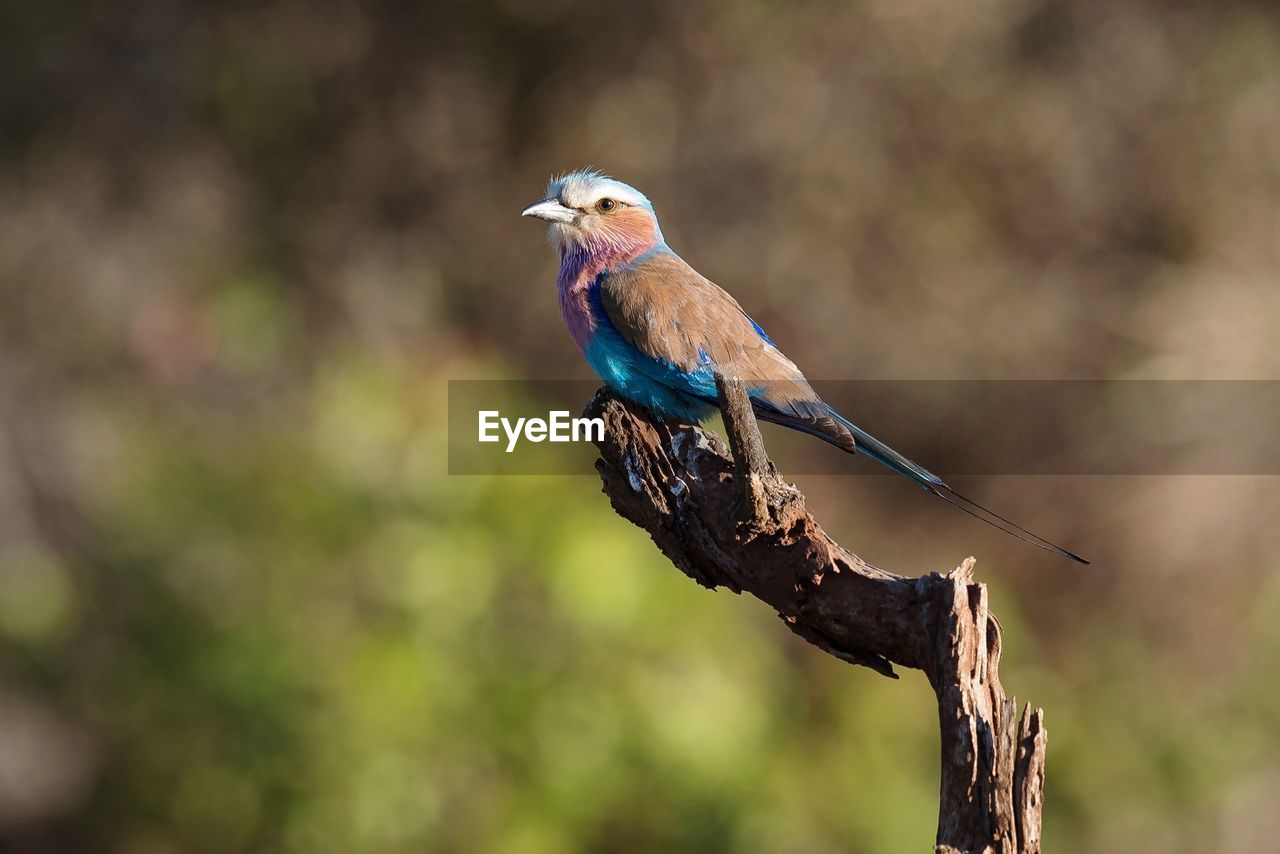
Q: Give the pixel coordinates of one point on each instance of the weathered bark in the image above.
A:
(754, 534)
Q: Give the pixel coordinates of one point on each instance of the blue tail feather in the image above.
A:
(888, 457)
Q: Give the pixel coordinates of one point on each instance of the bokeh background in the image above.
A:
(244, 246)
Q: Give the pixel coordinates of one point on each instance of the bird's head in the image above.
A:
(592, 213)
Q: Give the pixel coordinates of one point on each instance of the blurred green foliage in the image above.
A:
(243, 248)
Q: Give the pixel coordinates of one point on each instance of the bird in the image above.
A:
(657, 332)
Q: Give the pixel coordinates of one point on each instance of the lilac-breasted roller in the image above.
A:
(657, 332)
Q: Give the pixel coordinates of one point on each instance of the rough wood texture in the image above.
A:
(754, 534)
(748, 454)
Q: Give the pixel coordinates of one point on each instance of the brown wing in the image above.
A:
(668, 311)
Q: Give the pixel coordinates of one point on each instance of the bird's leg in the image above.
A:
(751, 465)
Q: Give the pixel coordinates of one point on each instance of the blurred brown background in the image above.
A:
(243, 247)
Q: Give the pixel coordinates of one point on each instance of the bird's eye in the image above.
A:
(607, 205)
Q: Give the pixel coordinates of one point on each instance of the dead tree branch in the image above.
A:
(754, 534)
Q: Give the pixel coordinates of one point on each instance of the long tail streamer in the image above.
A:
(886, 456)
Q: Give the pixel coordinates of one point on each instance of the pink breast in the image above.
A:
(577, 314)
(578, 274)
(631, 235)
